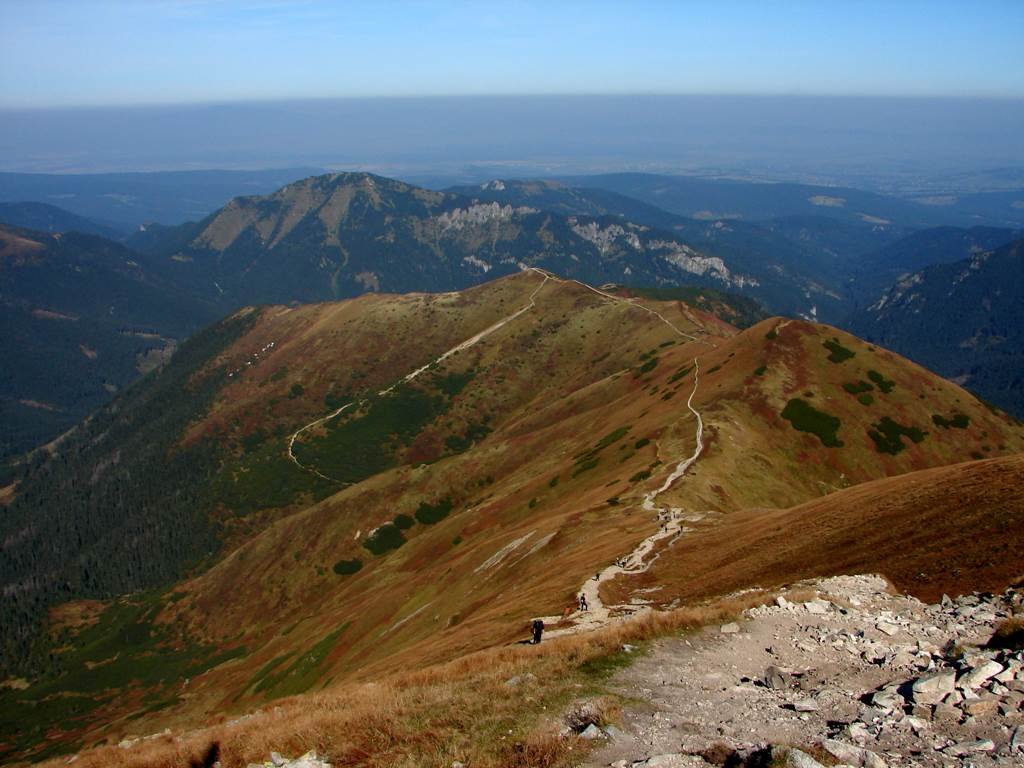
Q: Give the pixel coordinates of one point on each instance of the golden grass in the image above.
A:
(462, 710)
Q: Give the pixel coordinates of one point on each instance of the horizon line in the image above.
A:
(229, 102)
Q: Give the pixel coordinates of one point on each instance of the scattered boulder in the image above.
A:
(933, 688)
(730, 629)
(967, 747)
(805, 705)
(980, 674)
(777, 679)
(797, 759)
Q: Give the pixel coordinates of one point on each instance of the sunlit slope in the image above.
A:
(942, 530)
(460, 463)
(552, 491)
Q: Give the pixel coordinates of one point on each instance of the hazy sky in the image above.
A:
(93, 52)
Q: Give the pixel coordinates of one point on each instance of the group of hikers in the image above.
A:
(538, 624)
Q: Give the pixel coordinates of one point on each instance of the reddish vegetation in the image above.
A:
(945, 530)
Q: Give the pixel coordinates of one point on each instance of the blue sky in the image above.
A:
(90, 52)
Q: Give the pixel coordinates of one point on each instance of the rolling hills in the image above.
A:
(311, 505)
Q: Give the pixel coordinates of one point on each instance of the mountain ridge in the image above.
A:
(487, 488)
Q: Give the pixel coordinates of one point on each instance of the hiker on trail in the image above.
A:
(583, 602)
(538, 630)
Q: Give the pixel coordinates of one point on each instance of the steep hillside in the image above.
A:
(964, 320)
(944, 530)
(82, 319)
(337, 236)
(384, 506)
(878, 270)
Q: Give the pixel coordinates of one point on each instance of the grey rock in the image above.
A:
(818, 607)
(592, 732)
(967, 747)
(980, 674)
(888, 628)
(777, 679)
(730, 629)
(277, 760)
(797, 759)
(612, 732)
(1017, 739)
(517, 680)
(805, 705)
(931, 689)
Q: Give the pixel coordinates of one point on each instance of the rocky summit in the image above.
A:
(844, 669)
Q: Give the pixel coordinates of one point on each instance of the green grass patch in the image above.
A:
(460, 443)
(603, 667)
(384, 539)
(884, 384)
(647, 367)
(348, 567)
(956, 421)
(585, 466)
(360, 445)
(806, 418)
(837, 352)
(680, 374)
(639, 476)
(641, 443)
(888, 435)
(429, 514)
(124, 651)
(856, 387)
(760, 371)
(452, 384)
(304, 672)
(403, 522)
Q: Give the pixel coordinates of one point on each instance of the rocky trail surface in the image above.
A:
(857, 676)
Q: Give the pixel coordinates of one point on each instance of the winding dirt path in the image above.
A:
(639, 560)
(409, 377)
(672, 518)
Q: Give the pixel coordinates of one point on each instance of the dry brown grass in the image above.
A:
(1009, 634)
(912, 528)
(462, 710)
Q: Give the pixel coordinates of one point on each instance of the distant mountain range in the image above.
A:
(963, 319)
(340, 235)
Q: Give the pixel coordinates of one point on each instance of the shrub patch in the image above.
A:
(806, 418)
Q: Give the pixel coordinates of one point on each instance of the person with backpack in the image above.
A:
(583, 602)
(538, 630)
